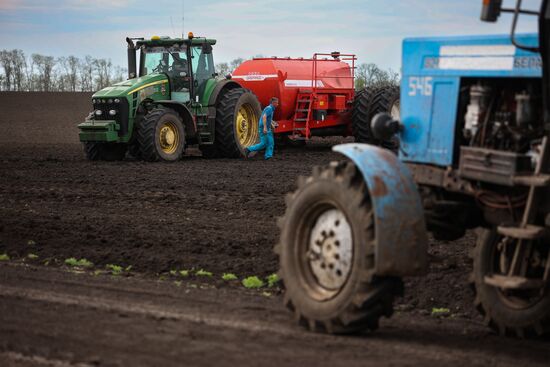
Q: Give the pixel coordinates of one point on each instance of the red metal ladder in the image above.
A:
(302, 116)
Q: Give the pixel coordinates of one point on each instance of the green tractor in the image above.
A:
(171, 101)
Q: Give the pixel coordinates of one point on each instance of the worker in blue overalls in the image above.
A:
(266, 134)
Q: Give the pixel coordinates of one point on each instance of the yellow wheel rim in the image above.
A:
(246, 125)
(169, 137)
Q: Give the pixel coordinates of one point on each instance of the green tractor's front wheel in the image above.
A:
(237, 120)
(326, 254)
(100, 151)
(161, 136)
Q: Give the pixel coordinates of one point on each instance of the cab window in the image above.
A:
(202, 65)
(169, 60)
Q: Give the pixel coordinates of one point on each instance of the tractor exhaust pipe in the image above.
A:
(132, 71)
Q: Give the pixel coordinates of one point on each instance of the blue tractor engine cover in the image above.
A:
(433, 71)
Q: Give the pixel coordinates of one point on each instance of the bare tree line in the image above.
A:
(56, 74)
(370, 75)
(225, 68)
(72, 74)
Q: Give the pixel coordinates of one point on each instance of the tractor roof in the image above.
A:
(167, 41)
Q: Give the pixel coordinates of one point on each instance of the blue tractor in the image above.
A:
(474, 152)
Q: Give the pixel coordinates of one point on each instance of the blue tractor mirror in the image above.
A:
(384, 127)
(491, 10)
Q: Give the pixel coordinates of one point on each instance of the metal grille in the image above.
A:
(121, 117)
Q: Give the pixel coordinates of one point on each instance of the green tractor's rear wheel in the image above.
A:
(520, 312)
(237, 122)
(326, 254)
(161, 136)
(99, 151)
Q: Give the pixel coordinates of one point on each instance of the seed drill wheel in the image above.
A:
(237, 122)
(521, 312)
(386, 99)
(361, 116)
(326, 254)
(98, 151)
(367, 104)
(161, 136)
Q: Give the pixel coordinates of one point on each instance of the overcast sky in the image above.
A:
(372, 29)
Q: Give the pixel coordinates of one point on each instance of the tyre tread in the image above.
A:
(375, 296)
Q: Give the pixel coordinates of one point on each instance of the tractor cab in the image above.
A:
(188, 64)
(171, 61)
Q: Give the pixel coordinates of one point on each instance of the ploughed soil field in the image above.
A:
(156, 219)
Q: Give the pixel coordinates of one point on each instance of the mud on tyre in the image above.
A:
(326, 254)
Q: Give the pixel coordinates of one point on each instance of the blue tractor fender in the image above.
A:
(401, 240)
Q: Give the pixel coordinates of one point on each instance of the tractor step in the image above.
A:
(514, 282)
(530, 232)
(300, 120)
(302, 110)
(299, 128)
(533, 180)
(304, 100)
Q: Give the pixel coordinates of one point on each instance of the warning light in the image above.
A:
(155, 38)
(190, 35)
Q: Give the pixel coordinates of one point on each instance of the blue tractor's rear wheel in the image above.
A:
(519, 312)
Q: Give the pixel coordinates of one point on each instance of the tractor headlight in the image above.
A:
(98, 112)
(110, 101)
(117, 100)
(94, 101)
(112, 112)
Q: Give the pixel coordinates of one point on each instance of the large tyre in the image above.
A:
(510, 312)
(161, 136)
(326, 254)
(98, 151)
(360, 116)
(367, 104)
(386, 99)
(237, 122)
